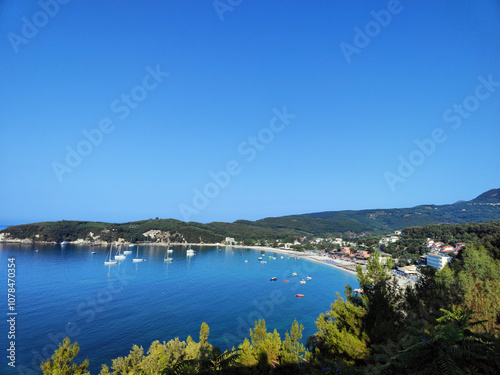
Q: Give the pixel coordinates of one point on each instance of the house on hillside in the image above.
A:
(437, 260)
(363, 254)
(436, 246)
(446, 249)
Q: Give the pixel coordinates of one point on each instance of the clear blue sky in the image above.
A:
(362, 82)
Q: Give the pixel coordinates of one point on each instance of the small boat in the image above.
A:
(302, 281)
(308, 277)
(294, 274)
(64, 243)
(108, 261)
(299, 295)
(274, 278)
(260, 258)
(285, 281)
(246, 260)
(137, 259)
(92, 252)
(118, 255)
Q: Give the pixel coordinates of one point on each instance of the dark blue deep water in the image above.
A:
(67, 291)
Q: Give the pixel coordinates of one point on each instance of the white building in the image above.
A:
(437, 260)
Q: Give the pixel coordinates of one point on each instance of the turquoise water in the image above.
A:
(67, 291)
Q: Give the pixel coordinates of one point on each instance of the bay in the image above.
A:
(68, 291)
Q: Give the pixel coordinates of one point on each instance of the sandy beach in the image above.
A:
(335, 263)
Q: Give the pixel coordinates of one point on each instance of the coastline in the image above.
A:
(313, 257)
(340, 264)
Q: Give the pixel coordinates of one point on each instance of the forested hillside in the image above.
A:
(357, 223)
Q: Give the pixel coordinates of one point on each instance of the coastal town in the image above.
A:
(341, 253)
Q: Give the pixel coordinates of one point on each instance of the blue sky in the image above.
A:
(295, 107)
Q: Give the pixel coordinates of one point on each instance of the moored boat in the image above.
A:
(109, 261)
(137, 259)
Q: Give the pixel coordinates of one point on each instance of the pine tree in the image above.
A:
(61, 361)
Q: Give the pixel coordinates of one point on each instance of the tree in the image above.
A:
(380, 298)
(61, 361)
(292, 350)
(340, 337)
(450, 348)
(264, 348)
(480, 283)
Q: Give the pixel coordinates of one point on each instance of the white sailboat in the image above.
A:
(118, 255)
(137, 259)
(109, 261)
(190, 252)
(126, 252)
(167, 258)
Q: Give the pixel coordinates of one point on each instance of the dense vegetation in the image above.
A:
(449, 323)
(411, 244)
(365, 222)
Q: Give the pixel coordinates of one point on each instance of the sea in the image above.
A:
(67, 291)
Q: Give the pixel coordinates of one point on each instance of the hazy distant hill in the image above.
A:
(483, 208)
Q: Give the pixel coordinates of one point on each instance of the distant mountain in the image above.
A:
(490, 197)
(485, 207)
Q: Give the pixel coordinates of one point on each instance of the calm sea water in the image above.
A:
(68, 291)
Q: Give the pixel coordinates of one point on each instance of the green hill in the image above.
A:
(485, 207)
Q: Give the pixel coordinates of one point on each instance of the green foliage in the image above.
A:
(263, 349)
(341, 339)
(61, 361)
(285, 228)
(292, 350)
(450, 348)
(480, 283)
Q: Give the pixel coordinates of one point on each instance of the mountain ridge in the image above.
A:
(484, 207)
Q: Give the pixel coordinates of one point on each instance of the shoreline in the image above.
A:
(310, 256)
